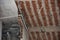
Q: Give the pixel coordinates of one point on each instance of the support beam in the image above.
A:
(25, 0)
(33, 13)
(51, 12)
(28, 13)
(25, 34)
(39, 12)
(45, 29)
(0, 30)
(2, 18)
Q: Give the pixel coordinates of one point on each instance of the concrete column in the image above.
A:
(0, 30)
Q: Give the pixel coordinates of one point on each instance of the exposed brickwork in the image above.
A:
(48, 12)
(42, 13)
(49, 36)
(54, 12)
(58, 35)
(36, 35)
(36, 13)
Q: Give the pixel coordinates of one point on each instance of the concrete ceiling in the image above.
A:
(8, 11)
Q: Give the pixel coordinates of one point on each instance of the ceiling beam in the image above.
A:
(44, 29)
(25, 0)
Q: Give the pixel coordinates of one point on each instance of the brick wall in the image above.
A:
(41, 13)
